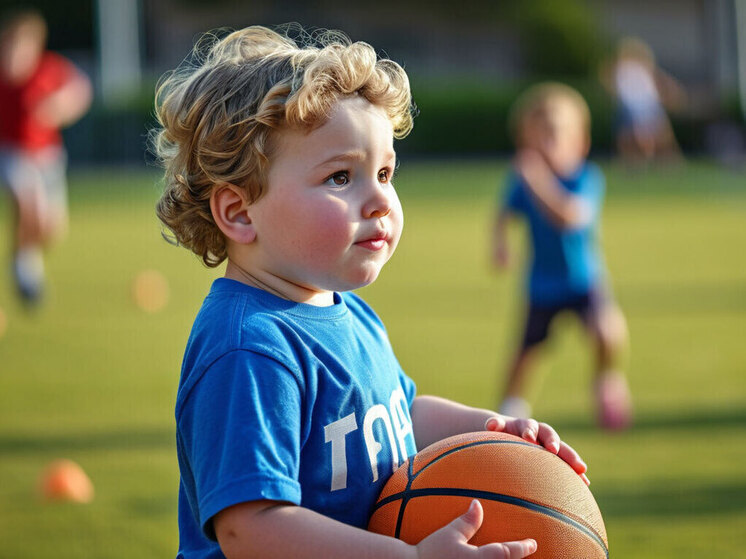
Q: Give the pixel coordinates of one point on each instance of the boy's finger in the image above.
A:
(548, 438)
(496, 423)
(468, 523)
(568, 454)
(530, 431)
(509, 550)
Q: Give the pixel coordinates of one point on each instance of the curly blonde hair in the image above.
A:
(218, 117)
(536, 100)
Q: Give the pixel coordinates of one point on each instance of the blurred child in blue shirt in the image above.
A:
(560, 195)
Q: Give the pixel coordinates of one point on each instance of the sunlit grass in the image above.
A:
(91, 377)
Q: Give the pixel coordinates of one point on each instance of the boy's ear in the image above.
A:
(229, 206)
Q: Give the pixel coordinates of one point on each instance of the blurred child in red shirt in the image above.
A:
(40, 93)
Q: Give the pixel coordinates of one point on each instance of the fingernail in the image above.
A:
(585, 479)
(532, 545)
(491, 424)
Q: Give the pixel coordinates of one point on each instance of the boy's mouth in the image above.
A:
(375, 242)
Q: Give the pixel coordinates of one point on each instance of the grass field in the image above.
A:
(92, 378)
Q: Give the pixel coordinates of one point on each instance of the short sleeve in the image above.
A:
(408, 386)
(239, 434)
(56, 70)
(514, 195)
(591, 188)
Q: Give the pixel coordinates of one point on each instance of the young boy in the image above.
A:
(40, 92)
(643, 92)
(560, 195)
(292, 410)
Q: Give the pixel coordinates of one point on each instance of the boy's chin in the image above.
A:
(566, 168)
(351, 284)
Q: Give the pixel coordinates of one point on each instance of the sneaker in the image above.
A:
(515, 406)
(28, 273)
(613, 401)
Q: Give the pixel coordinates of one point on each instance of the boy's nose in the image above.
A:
(381, 213)
(379, 203)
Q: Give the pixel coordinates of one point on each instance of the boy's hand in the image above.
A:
(451, 541)
(541, 434)
(532, 166)
(501, 255)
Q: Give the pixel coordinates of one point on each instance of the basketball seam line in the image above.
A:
(469, 445)
(499, 497)
(405, 499)
(493, 441)
(411, 475)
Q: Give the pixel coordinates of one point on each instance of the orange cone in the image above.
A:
(64, 480)
(150, 291)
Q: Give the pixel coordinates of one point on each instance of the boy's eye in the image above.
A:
(339, 179)
(386, 175)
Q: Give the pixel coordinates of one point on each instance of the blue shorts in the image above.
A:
(539, 317)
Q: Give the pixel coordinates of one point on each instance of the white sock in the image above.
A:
(28, 266)
(515, 406)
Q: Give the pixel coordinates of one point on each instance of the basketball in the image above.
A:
(525, 491)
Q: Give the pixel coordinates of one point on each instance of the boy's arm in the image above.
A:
(563, 209)
(500, 247)
(67, 104)
(272, 530)
(435, 418)
(673, 94)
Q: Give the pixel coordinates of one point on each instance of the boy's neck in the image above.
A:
(278, 286)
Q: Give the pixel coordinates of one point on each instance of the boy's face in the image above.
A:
(559, 133)
(330, 218)
(20, 50)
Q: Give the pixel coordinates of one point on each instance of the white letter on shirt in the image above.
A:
(379, 411)
(335, 433)
(400, 419)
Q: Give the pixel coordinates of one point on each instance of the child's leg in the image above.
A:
(30, 203)
(666, 145)
(609, 331)
(514, 402)
(52, 165)
(28, 258)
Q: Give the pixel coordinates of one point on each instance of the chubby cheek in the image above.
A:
(397, 218)
(320, 232)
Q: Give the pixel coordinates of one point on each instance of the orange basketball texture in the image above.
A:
(525, 490)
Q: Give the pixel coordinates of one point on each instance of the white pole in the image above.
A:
(119, 49)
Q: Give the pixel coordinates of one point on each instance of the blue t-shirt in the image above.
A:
(565, 262)
(288, 402)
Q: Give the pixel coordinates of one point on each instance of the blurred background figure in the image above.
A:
(40, 93)
(643, 92)
(560, 195)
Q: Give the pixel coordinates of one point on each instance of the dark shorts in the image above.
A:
(539, 317)
(647, 120)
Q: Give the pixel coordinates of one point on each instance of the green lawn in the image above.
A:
(92, 378)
